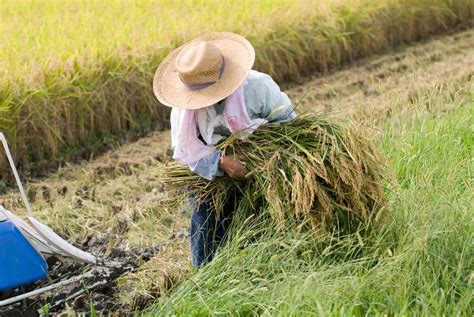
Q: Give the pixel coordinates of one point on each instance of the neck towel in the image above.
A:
(185, 124)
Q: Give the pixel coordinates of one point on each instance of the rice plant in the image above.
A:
(73, 73)
(311, 171)
(418, 263)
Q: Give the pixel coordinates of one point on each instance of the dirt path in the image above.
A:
(119, 192)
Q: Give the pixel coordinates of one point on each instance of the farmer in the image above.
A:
(213, 93)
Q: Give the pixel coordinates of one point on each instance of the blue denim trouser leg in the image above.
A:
(207, 232)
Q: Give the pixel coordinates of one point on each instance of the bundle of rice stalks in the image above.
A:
(310, 171)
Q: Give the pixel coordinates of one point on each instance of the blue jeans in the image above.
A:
(208, 231)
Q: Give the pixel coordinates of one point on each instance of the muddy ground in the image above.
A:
(97, 285)
(119, 194)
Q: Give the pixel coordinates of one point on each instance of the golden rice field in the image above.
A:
(417, 100)
(75, 75)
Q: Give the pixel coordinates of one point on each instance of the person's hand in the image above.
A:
(231, 165)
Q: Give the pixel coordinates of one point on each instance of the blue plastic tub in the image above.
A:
(20, 263)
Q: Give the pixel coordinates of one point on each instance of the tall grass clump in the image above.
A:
(417, 263)
(73, 75)
(310, 171)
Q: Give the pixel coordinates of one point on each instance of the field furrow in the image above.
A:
(371, 86)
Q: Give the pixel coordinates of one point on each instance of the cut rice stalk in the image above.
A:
(311, 170)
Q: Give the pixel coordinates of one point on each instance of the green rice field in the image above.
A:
(418, 263)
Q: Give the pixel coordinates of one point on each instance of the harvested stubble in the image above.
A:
(310, 172)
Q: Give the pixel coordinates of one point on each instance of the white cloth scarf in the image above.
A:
(185, 123)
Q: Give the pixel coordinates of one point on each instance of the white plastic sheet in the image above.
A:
(42, 236)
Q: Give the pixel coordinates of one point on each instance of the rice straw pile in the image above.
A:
(309, 172)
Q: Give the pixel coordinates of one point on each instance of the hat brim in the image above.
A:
(239, 57)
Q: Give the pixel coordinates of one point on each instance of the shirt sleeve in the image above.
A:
(208, 166)
(274, 104)
(265, 100)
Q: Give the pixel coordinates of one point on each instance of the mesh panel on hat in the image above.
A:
(203, 76)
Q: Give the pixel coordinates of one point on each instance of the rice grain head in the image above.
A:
(311, 172)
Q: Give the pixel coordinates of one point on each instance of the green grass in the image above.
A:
(418, 263)
(72, 72)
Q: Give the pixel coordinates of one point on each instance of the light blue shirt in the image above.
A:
(263, 99)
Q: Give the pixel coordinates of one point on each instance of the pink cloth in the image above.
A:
(188, 148)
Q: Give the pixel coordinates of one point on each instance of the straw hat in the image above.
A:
(203, 71)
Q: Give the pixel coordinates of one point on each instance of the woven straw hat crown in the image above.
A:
(203, 71)
(199, 63)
